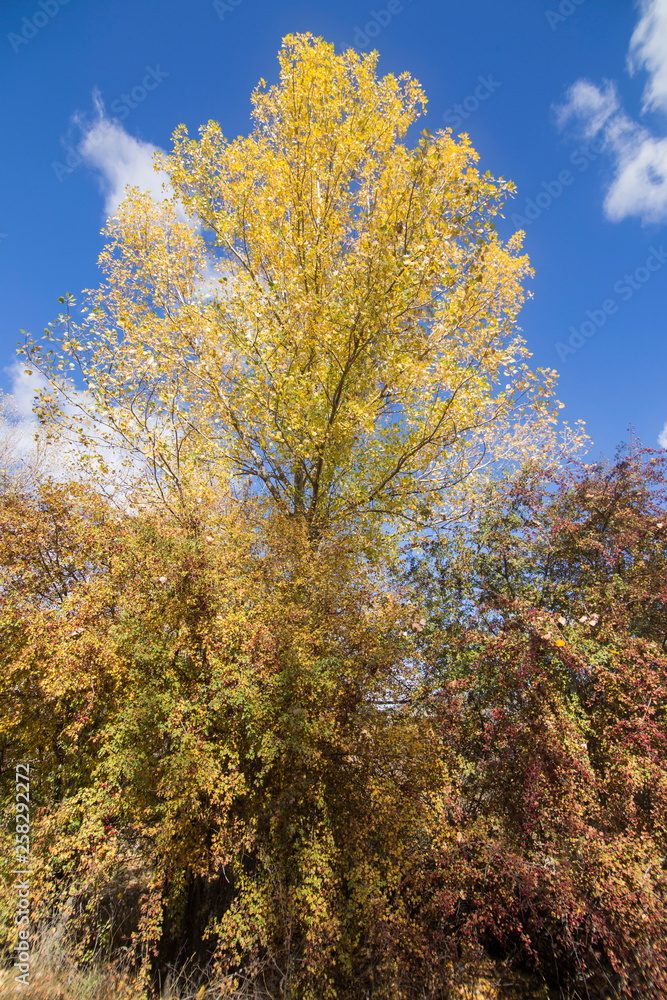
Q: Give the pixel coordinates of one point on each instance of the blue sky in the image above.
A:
(568, 98)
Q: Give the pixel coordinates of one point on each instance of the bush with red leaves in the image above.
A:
(547, 633)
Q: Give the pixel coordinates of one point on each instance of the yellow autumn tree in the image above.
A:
(321, 312)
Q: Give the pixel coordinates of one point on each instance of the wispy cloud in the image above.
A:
(648, 51)
(24, 450)
(639, 155)
(120, 159)
(29, 453)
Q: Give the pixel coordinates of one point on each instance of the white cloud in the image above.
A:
(123, 161)
(648, 50)
(120, 159)
(639, 184)
(590, 106)
(662, 439)
(28, 454)
(24, 451)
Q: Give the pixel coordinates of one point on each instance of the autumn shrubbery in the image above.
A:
(197, 705)
(286, 772)
(551, 620)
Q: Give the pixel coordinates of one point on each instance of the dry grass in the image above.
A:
(65, 982)
(55, 976)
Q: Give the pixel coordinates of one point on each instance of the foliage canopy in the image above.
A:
(332, 319)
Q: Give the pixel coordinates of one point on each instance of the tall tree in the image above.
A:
(334, 316)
